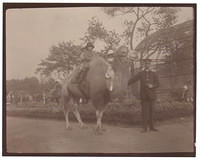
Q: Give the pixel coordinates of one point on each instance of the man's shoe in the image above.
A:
(153, 129)
(144, 130)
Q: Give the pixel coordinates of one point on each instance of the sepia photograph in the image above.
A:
(99, 79)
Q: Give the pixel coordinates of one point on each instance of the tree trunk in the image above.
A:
(132, 35)
(44, 98)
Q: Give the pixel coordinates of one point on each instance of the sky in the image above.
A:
(31, 32)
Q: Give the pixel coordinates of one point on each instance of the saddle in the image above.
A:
(80, 84)
(78, 80)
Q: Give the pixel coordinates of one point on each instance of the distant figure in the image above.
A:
(148, 83)
(187, 96)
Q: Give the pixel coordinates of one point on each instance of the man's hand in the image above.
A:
(150, 86)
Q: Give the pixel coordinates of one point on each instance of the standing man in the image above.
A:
(148, 84)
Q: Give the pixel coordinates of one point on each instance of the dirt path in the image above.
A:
(49, 136)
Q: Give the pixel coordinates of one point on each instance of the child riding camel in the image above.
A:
(86, 57)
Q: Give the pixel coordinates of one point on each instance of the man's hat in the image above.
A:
(89, 44)
(110, 52)
(123, 51)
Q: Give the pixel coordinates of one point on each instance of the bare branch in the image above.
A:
(147, 11)
(141, 10)
(135, 12)
(151, 53)
(138, 12)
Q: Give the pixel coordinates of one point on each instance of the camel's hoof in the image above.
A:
(69, 128)
(84, 127)
(98, 131)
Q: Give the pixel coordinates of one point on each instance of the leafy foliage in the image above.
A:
(165, 17)
(64, 56)
(97, 31)
(47, 85)
(115, 11)
(61, 60)
(145, 20)
(27, 85)
(175, 42)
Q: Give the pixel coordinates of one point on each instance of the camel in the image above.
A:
(98, 89)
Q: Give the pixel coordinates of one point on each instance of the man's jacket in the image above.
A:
(146, 78)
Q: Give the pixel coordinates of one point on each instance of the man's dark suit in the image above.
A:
(147, 94)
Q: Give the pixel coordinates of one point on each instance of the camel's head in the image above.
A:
(121, 67)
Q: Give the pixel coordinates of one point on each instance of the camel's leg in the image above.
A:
(99, 128)
(65, 103)
(78, 117)
(100, 120)
(67, 123)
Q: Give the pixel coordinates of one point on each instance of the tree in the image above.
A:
(65, 56)
(97, 31)
(145, 20)
(22, 89)
(176, 47)
(46, 84)
(168, 41)
(61, 60)
(29, 85)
